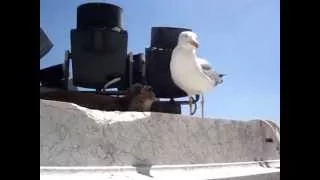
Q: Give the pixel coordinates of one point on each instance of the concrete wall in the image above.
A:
(74, 136)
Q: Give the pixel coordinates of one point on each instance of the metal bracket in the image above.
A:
(66, 64)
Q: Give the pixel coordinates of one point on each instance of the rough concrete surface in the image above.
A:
(71, 135)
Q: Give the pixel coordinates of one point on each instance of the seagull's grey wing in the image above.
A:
(208, 71)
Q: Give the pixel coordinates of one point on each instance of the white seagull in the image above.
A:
(190, 73)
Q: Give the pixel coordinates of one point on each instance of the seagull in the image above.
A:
(192, 74)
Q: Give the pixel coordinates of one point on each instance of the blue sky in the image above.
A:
(238, 37)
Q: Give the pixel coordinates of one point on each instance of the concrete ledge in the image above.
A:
(71, 135)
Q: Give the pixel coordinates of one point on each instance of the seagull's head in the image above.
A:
(188, 40)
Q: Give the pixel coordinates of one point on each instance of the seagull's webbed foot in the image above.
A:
(190, 105)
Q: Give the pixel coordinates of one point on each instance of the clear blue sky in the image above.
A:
(238, 37)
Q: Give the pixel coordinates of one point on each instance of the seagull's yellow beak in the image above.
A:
(195, 43)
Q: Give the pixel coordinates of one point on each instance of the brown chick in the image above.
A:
(141, 98)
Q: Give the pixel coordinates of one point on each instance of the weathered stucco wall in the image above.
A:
(74, 136)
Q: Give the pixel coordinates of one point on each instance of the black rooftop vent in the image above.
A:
(99, 46)
(99, 15)
(165, 37)
(158, 57)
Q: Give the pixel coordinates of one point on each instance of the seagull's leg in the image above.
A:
(190, 105)
(202, 106)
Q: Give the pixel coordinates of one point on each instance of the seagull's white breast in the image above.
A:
(186, 72)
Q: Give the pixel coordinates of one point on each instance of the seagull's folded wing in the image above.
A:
(206, 68)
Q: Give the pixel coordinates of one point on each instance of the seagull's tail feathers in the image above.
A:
(220, 81)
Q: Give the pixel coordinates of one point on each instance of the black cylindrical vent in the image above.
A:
(99, 15)
(98, 56)
(165, 37)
